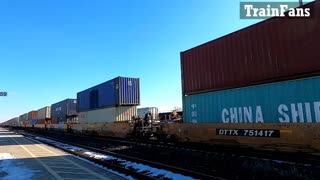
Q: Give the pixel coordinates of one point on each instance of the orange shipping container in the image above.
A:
(33, 115)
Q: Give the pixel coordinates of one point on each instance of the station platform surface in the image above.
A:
(22, 158)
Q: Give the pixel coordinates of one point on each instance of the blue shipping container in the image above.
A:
(33, 121)
(61, 110)
(295, 101)
(120, 91)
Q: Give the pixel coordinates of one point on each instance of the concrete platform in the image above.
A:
(22, 158)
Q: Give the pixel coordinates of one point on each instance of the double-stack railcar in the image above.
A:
(107, 108)
(258, 86)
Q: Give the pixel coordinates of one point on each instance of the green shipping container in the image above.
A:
(294, 101)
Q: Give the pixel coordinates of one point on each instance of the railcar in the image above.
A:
(242, 89)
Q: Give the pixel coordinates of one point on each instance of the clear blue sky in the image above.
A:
(50, 50)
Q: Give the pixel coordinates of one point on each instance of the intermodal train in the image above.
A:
(257, 87)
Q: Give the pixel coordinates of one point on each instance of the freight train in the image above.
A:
(244, 89)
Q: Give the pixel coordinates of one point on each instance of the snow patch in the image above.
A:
(6, 156)
(137, 166)
(9, 170)
(102, 167)
(99, 156)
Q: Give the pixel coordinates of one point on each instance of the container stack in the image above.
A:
(20, 120)
(266, 73)
(64, 112)
(44, 114)
(32, 117)
(24, 119)
(12, 122)
(113, 101)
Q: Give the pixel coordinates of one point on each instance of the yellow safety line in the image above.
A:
(75, 164)
(43, 164)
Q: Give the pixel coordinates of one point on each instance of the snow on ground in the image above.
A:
(110, 170)
(10, 170)
(128, 164)
(73, 148)
(154, 171)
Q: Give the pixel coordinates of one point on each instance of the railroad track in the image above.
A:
(120, 168)
(218, 162)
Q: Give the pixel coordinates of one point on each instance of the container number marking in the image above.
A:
(249, 132)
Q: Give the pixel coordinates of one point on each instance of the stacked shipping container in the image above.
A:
(44, 114)
(32, 117)
(25, 119)
(275, 50)
(120, 91)
(64, 111)
(108, 115)
(281, 102)
(20, 120)
(12, 122)
(114, 100)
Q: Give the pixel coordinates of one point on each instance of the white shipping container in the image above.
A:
(107, 115)
(153, 110)
(44, 113)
